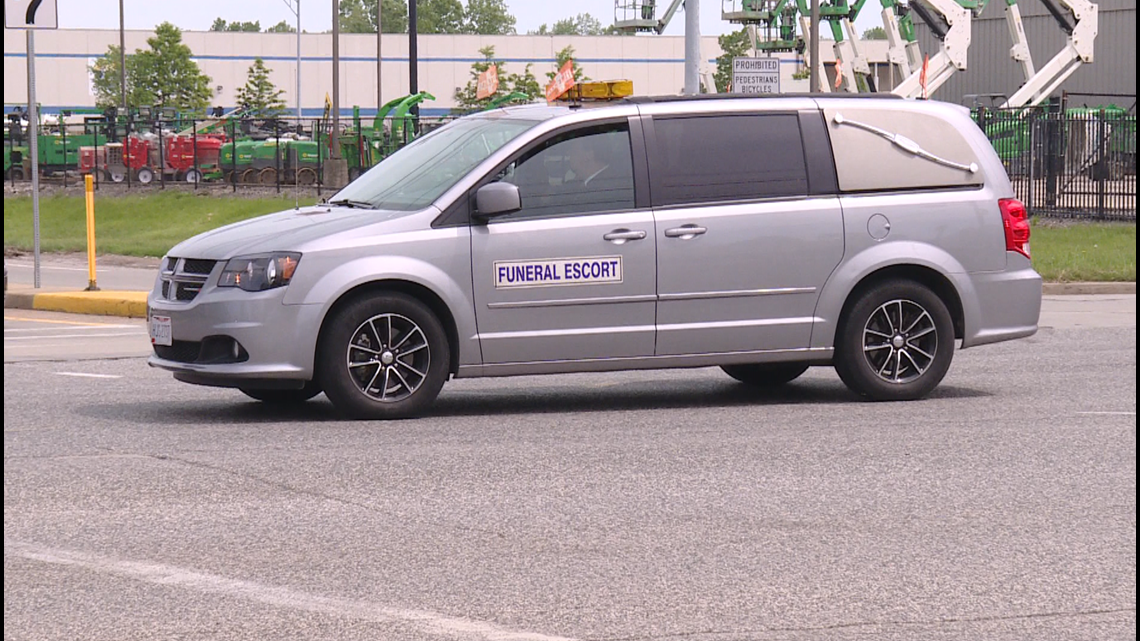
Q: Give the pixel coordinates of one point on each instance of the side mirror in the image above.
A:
(496, 199)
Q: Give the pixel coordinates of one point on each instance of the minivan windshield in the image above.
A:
(416, 175)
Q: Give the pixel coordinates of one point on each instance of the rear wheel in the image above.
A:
(145, 175)
(249, 177)
(306, 176)
(383, 356)
(284, 396)
(116, 175)
(16, 173)
(268, 176)
(895, 343)
(193, 176)
(766, 374)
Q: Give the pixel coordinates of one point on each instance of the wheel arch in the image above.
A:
(925, 264)
(408, 288)
(928, 277)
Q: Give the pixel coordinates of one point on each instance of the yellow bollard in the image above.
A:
(89, 188)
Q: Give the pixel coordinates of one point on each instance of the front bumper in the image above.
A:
(277, 341)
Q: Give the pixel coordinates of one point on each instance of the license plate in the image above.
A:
(160, 330)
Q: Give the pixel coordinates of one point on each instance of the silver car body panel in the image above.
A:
(764, 281)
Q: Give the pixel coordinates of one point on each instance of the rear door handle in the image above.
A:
(620, 236)
(685, 232)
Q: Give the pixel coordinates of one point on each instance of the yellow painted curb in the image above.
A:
(108, 303)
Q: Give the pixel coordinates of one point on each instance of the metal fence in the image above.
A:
(1063, 162)
(229, 152)
(1068, 163)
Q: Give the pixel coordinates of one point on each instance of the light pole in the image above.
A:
(379, 74)
(122, 59)
(295, 7)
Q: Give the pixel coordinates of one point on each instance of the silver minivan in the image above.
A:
(760, 235)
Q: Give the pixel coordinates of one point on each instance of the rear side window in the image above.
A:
(727, 157)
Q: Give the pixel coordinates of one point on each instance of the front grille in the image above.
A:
(211, 350)
(187, 291)
(197, 266)
(183, 278)
(179, 351)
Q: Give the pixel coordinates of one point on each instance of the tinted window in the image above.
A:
(714, 158)
(580, 172)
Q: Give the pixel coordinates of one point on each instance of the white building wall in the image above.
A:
(655, 64)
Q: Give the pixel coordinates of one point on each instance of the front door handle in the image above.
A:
(685, 232)
(620, 236)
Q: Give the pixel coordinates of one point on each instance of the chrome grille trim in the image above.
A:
(183, 278)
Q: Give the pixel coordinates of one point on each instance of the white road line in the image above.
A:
(167, 575)
(40, 338)
(43, 267)
(56, 329)
(85, 375)
(1109, 413)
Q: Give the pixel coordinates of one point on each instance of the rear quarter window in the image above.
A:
(868, 161)
(726, 158)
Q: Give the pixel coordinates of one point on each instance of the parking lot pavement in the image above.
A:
(124, 281)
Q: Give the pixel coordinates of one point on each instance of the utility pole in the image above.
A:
(380, 75)
(122, 58)
(692, 47)
(336, 81)
(413, 55)
(816, 65)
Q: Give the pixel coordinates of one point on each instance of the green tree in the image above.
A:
(281, 27)
(221, 25)
(733, 45)
(440, 16)
(488, 17)
(259, 94)
(875, 33)
(105, 74)
(359, 16)
(560, 59)
(165, 75)
(525, 82)
(582, 24)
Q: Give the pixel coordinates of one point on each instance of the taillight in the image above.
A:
(1016, 222)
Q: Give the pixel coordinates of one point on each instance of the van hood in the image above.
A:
(284, 231)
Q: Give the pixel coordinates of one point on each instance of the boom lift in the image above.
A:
(1078, 50)
(640, 16)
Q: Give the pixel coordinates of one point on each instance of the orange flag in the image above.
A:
(488, 84)
(561, 82)
(922, 76)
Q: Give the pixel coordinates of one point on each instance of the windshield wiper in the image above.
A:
(355, 204)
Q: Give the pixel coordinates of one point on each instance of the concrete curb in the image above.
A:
(132, 304)
(1087, 289)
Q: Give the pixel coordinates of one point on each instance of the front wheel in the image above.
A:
(383, 356)
(765, 375)
(284, 396)
(895, 343)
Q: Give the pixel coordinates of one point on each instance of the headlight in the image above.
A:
(261, 272)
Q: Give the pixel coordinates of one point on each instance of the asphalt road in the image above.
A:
(640, 505)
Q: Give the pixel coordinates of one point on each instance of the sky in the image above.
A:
(316, 15)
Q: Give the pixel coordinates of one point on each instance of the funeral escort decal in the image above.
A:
(558, 271)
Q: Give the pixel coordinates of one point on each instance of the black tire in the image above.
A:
(284, 396)
(887, 358)
(765, 374)
(383, 356)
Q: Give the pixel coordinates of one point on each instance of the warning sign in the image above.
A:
(756, 75)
